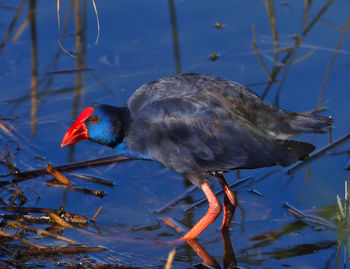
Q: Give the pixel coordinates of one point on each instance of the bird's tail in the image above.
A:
(307, 122)
(300, 150)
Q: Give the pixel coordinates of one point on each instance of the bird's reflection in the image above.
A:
(229, 258)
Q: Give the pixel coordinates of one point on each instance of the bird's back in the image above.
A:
(194, 86)
(195, 124)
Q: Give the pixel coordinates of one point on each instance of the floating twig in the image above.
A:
(177, 199)
(17, 195)
(179, 228)
(70, 71)
(52, 213)
(308, 218)
(57, 175)
(96, 214)
(56, 183)
(40, 231)
(234, 186)
(9, 164)
(77, 165)
(170, 259)
(25, 253)
(28, 218)
(93, 179)
(72, 217)
(341, 152)
(67, 216)
(60, 220)
(23, 241)
(25, 210)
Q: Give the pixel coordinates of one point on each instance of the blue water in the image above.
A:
(135, 46)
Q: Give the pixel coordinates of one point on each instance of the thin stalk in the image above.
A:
(34, 76)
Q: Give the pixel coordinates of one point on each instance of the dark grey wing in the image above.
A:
(194, 138)
(164, 88)
(234, 96)
(187, 85)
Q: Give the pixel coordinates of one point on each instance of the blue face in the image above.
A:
(100, 127)
(105, 126)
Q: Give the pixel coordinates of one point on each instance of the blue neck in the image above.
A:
(123, 150)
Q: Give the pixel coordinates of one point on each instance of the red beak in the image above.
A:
(77, 132)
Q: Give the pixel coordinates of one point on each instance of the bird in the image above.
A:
(200, 126)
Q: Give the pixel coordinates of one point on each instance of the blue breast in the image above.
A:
(123, 150)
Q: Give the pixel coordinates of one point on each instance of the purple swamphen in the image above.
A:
(200, 126)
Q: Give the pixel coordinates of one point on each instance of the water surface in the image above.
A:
(140, 41)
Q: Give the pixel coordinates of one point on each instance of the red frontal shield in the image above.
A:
(77, 131)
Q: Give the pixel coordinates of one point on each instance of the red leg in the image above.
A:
(230, 203)
(213, 211)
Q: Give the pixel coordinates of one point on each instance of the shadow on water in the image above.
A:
(282, 43)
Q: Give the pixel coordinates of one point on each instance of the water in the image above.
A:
(141, 41)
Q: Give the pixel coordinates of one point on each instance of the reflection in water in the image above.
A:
(262, 250)
(269, 237)
(34, 83)
(188, 221)
(287, 252)
(264, 246)
(288, 59)
(307, 5)
(80, 53)
(265, 240)
(202, 253)
(332, 61)
(12, 25)
(229, 258)
(80, 62)
(175, 37)
(271, 14)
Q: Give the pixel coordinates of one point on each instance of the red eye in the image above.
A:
(94, 119)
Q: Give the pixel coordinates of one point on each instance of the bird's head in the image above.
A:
(102, 124)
